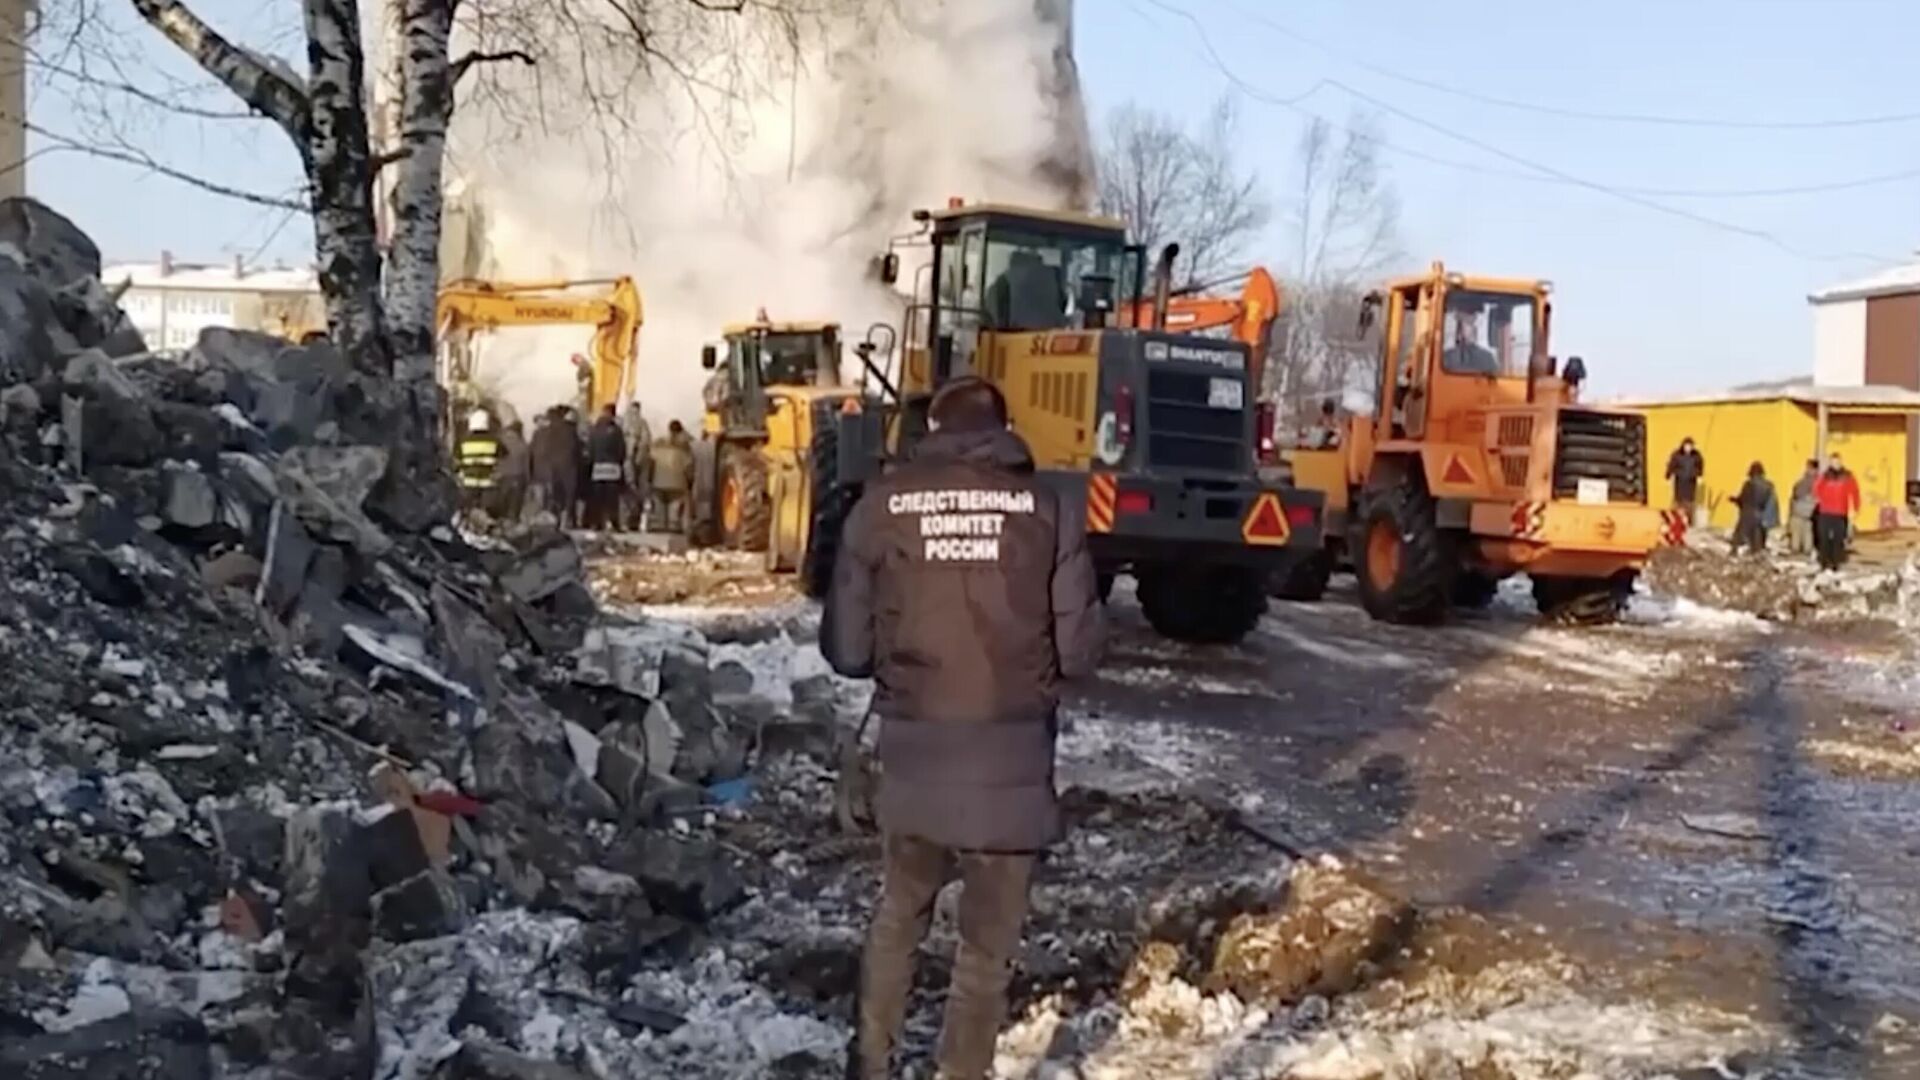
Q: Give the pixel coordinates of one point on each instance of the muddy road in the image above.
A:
(1681, 846)
(1693, 808)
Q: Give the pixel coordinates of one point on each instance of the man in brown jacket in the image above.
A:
(964, 590)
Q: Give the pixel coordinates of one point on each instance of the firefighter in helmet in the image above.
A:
(476, 457)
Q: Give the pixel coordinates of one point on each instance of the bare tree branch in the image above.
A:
(139, 93)
(461, 65)
(1346, 222)
(1170, 184)
(251, 78)
(130, 156)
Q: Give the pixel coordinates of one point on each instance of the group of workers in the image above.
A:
(613, 476)
(1819, 513)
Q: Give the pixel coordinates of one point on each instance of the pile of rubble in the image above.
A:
(1787, 590)
(269, 721)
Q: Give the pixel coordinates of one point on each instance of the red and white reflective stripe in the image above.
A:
(1673, 527)
(1529, 519)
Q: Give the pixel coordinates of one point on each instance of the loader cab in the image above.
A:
(1452, 346)
(762, 361)
(1003, 270)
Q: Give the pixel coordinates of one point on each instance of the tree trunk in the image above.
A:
(413, 263)
(341, 170)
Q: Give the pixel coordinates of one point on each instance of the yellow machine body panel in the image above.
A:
(611, 306)
(1051, 380)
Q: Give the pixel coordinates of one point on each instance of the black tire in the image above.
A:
(742, 467)
(832, 501)
(1474, 591)
(1405, 564)
(1565, 601)
(1306, 580)
(1202, 605)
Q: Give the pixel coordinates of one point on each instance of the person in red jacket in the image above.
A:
(1836, 496)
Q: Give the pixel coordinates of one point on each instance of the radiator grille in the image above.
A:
(1184, 432)
(1601, 446)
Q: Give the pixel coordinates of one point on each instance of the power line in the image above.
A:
(1815, 188)
(1546, 172)
(1653, 119)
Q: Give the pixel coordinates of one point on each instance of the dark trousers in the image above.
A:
(993, 904)
(560, 503)
(1749, 534)
(1830, 539)
(603, 504)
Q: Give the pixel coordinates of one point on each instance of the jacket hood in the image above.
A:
(999, 448)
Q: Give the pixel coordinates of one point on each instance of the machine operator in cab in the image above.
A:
(964, 590)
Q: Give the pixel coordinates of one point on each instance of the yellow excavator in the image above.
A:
(771, 412)
(469, 307)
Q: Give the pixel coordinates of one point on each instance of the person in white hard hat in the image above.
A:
(477, 455)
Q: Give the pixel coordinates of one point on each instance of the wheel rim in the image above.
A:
(730, 505)
(1383, 555)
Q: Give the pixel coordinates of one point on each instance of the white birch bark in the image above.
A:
(340, 167)
(413, 262)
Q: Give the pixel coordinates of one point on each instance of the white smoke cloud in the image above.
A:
(778, 195)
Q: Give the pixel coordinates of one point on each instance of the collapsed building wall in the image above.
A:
(776, 193)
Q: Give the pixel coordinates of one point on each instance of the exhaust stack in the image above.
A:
(1163, 284)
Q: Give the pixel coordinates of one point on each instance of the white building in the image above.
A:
(1867, 333)
(171, 302)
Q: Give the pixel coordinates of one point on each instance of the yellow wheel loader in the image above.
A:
(772, 408)
(1147, 431)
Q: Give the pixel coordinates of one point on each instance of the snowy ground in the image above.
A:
(1683, 845)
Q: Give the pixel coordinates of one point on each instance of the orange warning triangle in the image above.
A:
(1457, 471)
(1266, 523)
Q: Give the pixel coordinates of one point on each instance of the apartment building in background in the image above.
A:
(171, 302)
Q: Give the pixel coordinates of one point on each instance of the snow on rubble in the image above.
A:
(299, 782)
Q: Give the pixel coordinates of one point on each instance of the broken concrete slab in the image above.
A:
(192, 433)
(326, 487)
(398, 652)
(119, 431)
(689, 878)
(190, 500)
(473, 647)
(426, 905)
(289, 554)
(326, 901)
(543, 571)
(223, 349)
(101, 578)
(634, 657)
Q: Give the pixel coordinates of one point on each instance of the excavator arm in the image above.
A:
(468, 307)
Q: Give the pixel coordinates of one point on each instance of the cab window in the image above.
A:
(1487, 334)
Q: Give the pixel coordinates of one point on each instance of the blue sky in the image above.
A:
(1655, 301)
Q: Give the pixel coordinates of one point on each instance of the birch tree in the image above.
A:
(1344, 219)
(373, 180)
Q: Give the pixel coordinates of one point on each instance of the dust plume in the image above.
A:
(776, 188)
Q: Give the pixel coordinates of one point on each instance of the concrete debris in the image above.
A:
(543, 571)
(1789, 590)
(191, 502)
